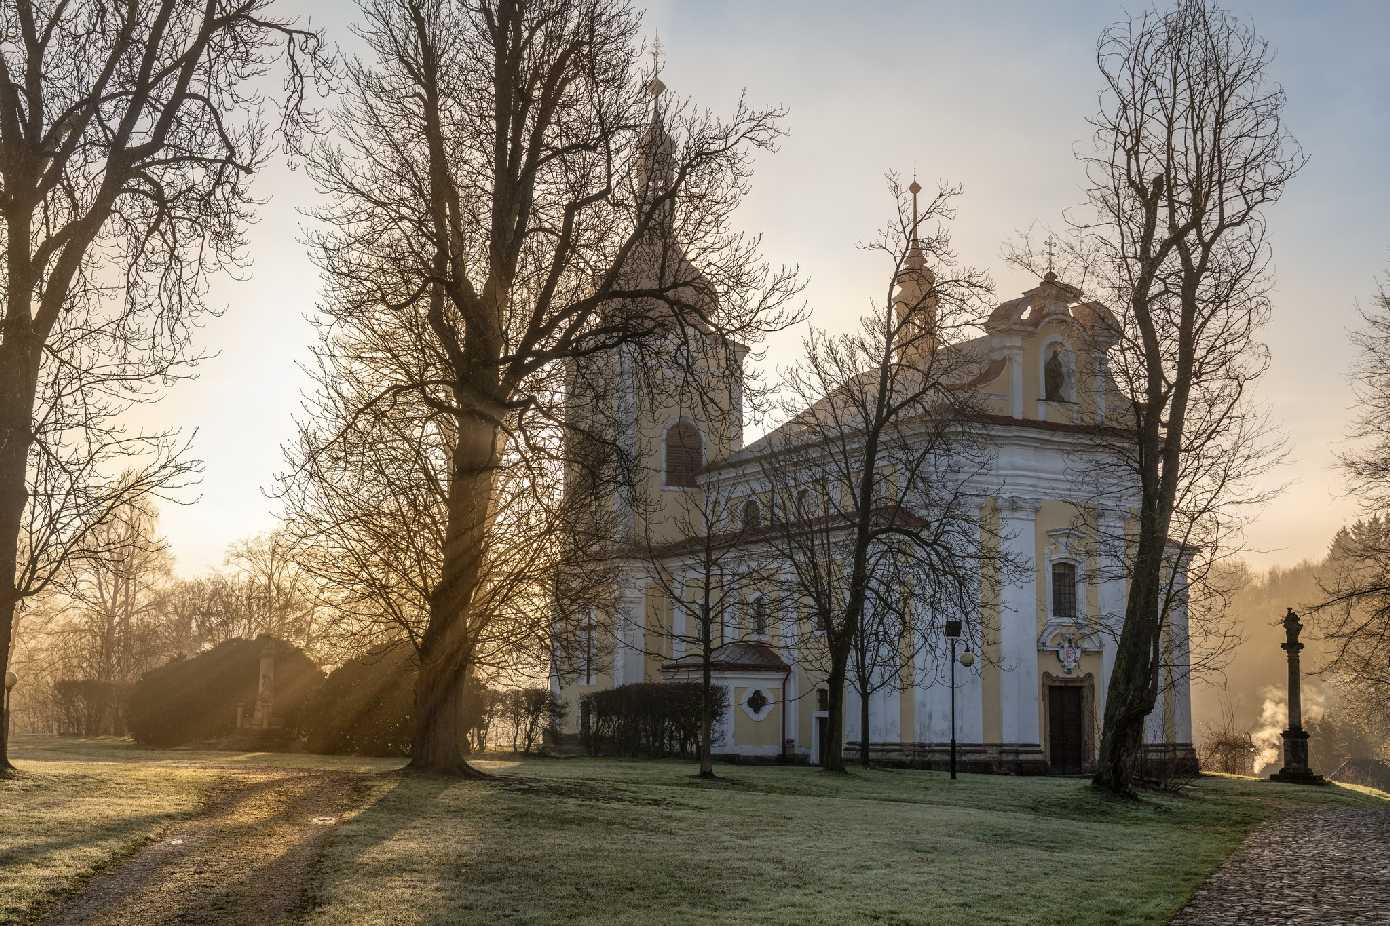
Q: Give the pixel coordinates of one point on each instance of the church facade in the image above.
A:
(1034, 700)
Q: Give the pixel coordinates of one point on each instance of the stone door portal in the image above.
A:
(1065, 730)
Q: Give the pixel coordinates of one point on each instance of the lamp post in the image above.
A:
(953, 634)
(967, 659)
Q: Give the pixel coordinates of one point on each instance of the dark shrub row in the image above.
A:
(366, 706)
(646, 719)
(195, 699)
(87, 707)
(523, 716)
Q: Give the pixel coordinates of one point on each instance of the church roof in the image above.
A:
(1050, 299)
(742, 655)
(784, 433)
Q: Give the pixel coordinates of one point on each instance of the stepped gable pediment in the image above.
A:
(1051, 300)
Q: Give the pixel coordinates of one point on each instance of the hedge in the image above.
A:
(648, 718)
(366, 706)
(195, 699)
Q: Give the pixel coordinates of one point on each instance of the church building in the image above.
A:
(1034, 700)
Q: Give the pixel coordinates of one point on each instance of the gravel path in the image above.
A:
(1324, 867)
(245, 859)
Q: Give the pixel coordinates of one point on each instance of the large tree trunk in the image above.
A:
(447, 651)
(441, 738)
(1132, 693)
(18, 379)
(835, 723)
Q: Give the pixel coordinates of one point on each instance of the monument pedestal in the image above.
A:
(1296, 770)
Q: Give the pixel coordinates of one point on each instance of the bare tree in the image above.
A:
(892, 633)
(366, 506)
(495, 178)
(708, 561)
(111, 594)
(274, 595)
(877, 472)
(128, 132)
(1354, 615)
(1190, 147)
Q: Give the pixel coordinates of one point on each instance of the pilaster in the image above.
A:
(1018, 623)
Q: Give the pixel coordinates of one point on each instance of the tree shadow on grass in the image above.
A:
(249, 849)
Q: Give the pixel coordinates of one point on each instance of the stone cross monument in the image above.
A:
(263, 716)
(1295, 770)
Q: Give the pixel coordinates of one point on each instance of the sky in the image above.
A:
(989, 95)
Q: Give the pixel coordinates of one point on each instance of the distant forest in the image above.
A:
(1245, 689)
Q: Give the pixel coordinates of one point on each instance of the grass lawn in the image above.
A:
(606, 841)
(83, 803)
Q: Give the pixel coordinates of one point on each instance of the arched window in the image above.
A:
(752, 516)
(1064, 589)
(685, 454)
(760, 616)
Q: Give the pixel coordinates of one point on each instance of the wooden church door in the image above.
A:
(1065, 730)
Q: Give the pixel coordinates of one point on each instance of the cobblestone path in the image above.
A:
(1325, 867)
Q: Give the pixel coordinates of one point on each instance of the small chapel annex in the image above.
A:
(1034, 704)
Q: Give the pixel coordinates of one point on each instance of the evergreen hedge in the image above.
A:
(195, 699)
(366, 706)
(647, 719)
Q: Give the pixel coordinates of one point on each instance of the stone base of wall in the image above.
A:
(983, 758)
(1161, 761)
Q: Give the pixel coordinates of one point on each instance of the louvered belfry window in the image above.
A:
(684, 454)
(1064, 589)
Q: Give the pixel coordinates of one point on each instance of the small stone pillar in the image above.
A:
(1295, 770)
(262, 716)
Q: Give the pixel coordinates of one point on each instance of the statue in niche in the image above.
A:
(1055, 377)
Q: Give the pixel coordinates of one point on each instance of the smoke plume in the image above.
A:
(1274, 719)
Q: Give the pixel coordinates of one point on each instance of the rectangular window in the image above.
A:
(1064, 589)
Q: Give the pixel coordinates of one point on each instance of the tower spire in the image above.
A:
(915, 301)
(916, 260)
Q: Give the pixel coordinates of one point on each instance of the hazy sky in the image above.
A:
(989, 95)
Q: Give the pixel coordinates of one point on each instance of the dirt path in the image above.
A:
(1317, 868)
(246, 859)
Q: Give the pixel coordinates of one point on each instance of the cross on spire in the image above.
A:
(1051, 247)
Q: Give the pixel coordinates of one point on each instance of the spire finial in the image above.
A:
(1051, 257)
(655, 87)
